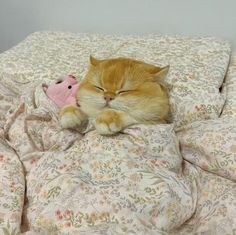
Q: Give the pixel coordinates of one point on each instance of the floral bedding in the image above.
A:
(175, 178)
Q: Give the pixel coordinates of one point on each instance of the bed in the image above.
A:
(175, 178)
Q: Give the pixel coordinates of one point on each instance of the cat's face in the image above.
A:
(126, 85)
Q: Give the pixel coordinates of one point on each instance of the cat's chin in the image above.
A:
(94, 113)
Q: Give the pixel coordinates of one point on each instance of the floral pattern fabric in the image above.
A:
(229, 89)
(12, 189)
(160, 179)
(131, 183)
(210, 145)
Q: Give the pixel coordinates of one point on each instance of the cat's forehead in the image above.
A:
(117, 74)
(112, 76)
(117, 71)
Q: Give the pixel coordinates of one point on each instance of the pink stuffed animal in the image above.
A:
(63, 91)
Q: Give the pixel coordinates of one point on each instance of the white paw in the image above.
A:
(107, 129)
(70, 120)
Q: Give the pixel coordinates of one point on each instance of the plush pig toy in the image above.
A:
(63, 91)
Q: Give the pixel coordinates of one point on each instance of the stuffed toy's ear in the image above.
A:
(45, 87)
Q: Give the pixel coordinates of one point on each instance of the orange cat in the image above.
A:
(118, 93)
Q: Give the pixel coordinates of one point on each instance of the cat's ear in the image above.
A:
(45, 87)
(158, 72)
(160, 76)
(161, 73)
(94, 62)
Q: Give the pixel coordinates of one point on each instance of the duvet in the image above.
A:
(175, 178)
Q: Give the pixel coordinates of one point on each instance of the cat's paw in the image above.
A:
(71, 117)
(109, 122)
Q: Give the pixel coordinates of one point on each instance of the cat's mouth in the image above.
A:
(107, 105)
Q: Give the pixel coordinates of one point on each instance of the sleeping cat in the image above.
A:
(118, 93)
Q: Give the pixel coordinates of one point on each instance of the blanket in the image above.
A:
(138, 173)
(175, 178)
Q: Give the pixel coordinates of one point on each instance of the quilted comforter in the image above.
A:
(175, 178)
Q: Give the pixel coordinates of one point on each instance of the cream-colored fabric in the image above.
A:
(211, 145)
(131, 182)
(164, 179)
(12, 189)
(229, 89)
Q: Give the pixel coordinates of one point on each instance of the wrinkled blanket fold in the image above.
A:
(132, 183)
(12, 189)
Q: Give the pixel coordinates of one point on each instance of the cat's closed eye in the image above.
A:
(122, 92)
(99, 88)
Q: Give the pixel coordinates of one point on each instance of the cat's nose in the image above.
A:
(108, 98)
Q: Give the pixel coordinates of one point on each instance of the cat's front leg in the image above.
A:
(110, 122)
(71, 117)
